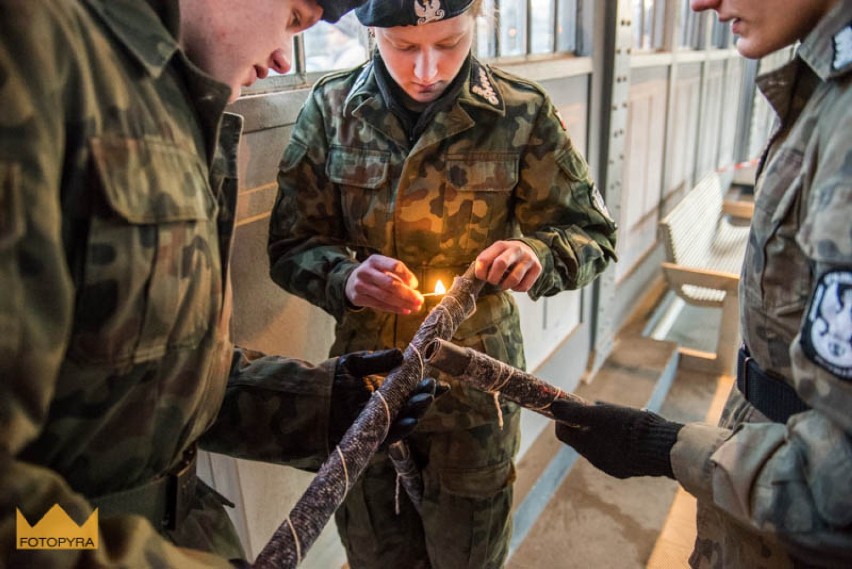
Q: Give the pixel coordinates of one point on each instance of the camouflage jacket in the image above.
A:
(115, 230)
(791, 484)
(495, 164)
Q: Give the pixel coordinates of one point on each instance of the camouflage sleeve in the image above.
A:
(791, 480)
(275, 410)
(560, 211)
(307, 252)
(795, 480)
(37, 296)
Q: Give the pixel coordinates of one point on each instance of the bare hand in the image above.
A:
(384, 284)
(510, 265)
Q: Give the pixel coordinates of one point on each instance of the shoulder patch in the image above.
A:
(842, 48)
(598, 201)
(827, 331)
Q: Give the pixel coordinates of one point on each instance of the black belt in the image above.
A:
(770, 394)
(164, 501)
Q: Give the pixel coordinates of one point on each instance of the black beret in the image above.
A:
(332, 10)
(392, 13)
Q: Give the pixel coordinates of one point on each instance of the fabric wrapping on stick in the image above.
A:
(297, 533)
(408, 475)
(488, 374)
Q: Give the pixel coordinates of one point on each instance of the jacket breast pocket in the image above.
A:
(786, 280)
(361, 176)
(478, 199)
(151, 277)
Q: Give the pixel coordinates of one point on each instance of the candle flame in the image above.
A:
(440, 288)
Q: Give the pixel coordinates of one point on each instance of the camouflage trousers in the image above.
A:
(466, 521)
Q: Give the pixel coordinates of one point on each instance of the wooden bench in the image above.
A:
(704, 254)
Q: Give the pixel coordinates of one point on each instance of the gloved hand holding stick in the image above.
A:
(620, 441)
(294, 537)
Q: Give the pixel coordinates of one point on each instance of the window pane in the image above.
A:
(690, 31)
(721, 32)
(339, 46)
(638, 6)
(643, 23)
(566, 17)
(513, 27)
(486, 39)
(542, 26)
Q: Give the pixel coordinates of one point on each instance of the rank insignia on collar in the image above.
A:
(842, 48)
(826, 335)
(482, 86)
(428, 11)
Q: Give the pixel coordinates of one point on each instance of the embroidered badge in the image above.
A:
(843, 48)
(428, 11)
(484, 89)
(598, 200)
(827, 331)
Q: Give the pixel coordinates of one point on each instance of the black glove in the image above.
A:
(353, 387)
(621, 441)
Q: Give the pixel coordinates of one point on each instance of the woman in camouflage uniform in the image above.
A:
(774, 479)
(426, 160)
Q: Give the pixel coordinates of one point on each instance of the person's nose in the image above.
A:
(701, 5)
(426, 65)
(280, 59)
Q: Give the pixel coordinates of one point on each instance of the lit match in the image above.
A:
(439, 289)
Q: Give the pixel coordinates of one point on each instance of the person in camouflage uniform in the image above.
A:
(774, 479)
(116, 217)
(425, 161)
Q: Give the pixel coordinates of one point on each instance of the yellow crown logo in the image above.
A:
(57, 530)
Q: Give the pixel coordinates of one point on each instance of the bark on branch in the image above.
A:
(488, 374)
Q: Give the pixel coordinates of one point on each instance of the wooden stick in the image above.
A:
(297, 533)
(488, 374)
(408, 474)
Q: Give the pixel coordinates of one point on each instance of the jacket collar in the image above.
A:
(148, 29)
(824, 55)
(828, 48)
(479, 90)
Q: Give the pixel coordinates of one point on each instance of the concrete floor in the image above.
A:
(594, 520)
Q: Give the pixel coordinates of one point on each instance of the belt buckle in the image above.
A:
(181, 491)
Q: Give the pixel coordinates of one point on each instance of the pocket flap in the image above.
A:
(483, 172)
(357, 167)
(152, 181)
(482, 482)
